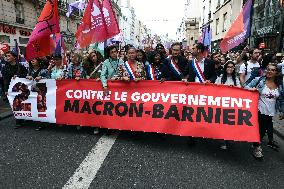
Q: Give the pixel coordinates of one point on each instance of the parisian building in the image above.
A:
(224, 14)
(19, 17)
(267, 26)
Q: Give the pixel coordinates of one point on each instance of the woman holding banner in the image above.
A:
(36, 71)
(56, 68)
(110, 67)
(93, 64)
(271, 99)
(75, 69)
(131, 70)
(228, 78)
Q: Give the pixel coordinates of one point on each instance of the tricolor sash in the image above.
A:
(130, 70)
(151, 72)
(174, 68)
(198, 70)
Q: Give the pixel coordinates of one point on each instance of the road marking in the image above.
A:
(86, 172)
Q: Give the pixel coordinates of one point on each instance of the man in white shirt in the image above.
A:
(247, 67)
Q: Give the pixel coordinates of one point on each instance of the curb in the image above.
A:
(5, 115)
(280, 135)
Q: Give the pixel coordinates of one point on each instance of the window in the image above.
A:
(23, 40)
(19, 9)
(225, 22)
(218, 4)
(217, 26)
(5, 38)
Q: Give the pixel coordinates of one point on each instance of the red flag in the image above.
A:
(110, 19)
(48, 23)
(239, 30)
(92, 28)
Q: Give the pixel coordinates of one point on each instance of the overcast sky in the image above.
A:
(149, 10)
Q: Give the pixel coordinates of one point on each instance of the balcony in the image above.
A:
(20, 20)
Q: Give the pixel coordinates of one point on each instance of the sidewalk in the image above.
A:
(279, 127)
(5, 110)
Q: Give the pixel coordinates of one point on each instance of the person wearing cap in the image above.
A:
(56, 69)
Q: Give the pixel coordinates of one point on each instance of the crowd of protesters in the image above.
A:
(249, 68)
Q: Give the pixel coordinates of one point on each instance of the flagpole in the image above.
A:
(251, 20)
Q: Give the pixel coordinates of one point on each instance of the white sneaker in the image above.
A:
(96, 131)
(224, 147)
(257, 152)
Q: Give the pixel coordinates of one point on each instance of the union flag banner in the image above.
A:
(39, 44)
(110, 19)
(198, 110)
(240, 29)
(92, 28)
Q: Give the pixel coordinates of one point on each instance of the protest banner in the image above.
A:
(198, 110)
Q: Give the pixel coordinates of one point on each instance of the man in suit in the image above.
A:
(200, 70)
(206, 66)
(174, 68)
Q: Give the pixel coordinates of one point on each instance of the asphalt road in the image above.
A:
(49, 158)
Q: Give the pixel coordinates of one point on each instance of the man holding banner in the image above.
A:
(199, 70)
(175, 66)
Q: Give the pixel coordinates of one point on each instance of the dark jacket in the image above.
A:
(168, 73)
(209, 71)
(10, 71)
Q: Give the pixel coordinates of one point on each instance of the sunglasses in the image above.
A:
(271, 70)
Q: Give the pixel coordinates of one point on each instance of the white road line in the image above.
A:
(88, 169)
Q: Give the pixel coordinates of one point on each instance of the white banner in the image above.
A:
(32, 100)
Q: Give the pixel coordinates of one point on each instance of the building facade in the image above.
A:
(19, 21)
(192, 31)
(188, 32)
(225, 13)
(267, 25)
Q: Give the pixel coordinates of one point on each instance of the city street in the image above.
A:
(51, 157)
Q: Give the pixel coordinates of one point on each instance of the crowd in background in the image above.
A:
(248, 68)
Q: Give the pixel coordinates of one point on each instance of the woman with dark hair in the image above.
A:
(229, 75)
(131, 69)
(141, 56)
(271, 99)
(93, 64)
(36, 72)
(228, 78)
(122, 55)
(154, 67)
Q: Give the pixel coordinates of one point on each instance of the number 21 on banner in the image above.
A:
(39, 88)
